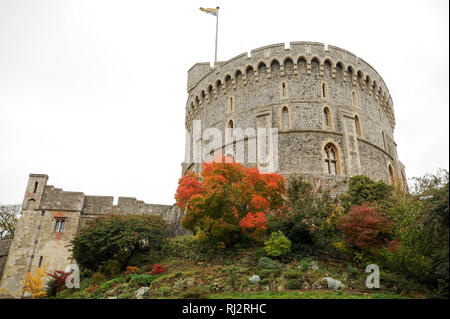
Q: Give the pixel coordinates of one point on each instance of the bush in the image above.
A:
(57, 283)
(269, 273)
(293, 274)
(110, 267)
(265, 282)
(362, 190)
(422, 233)
(278, 245)
(118, 237)
(305, 264)
(52, 288)
(294, 284)
(158, 269)
(228, 202)
(195, 293)
(267, 263)
(310, 224)
(131, 270)
(164, 291)
(141, 280)
(365, 228)
(98, 276)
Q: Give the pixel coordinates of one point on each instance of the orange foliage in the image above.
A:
(34, 284)
(131, 270)
(229, 201)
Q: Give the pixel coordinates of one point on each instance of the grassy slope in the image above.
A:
(214, 279)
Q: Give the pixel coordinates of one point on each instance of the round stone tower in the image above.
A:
(332, 110)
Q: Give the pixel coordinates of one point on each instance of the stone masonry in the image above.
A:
(5, 243)
(317, 97)
(305, 79)
(36, 241)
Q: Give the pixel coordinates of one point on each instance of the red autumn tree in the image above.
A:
(60, 278)
(229, 201)
(365, 228)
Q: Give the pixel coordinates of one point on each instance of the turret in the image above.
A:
(34, 191)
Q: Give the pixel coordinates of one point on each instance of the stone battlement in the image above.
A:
(56, 199)
(202, 78)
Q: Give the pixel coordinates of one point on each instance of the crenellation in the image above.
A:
(98, 205)
(309, 51)
(354, 89)
(57, 199)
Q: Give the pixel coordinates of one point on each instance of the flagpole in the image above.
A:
(217, 32)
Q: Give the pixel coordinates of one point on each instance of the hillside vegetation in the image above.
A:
(258, 236)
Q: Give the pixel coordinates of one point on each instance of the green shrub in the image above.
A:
(195, 293)
(264, 282)
(260, 253)
(52, 287)
(362, 190)
(396, 282)
(305, 264)
(86, 273)
(269, 273)
(118, 237)
(278, 244)
(163, 291)
(98, 276)
(309, 225)
(293, 284)
(110, 267)
(141, 279)
(293, 274)
(267, 263)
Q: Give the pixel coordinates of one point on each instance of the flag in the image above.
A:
(210, 11)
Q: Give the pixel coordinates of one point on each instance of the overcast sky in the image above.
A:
(93, 92)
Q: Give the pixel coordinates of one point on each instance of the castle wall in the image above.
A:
(36, 241)
(5, 243)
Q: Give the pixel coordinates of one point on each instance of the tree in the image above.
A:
(278, 244)
(362, 190)
(9, 216)
(118, 238)
(365, 228)
(229, 202)
(35, 284)
(310, 223)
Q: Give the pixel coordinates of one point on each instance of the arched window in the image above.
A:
(357, 126)
(285, 114)
(324, 90)
(230, 128)
(230, 104)
(210, 93)
(354, 99)
(391, 175)
(283, 90)
(326, 117)
(331, 161)
(35, 187)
